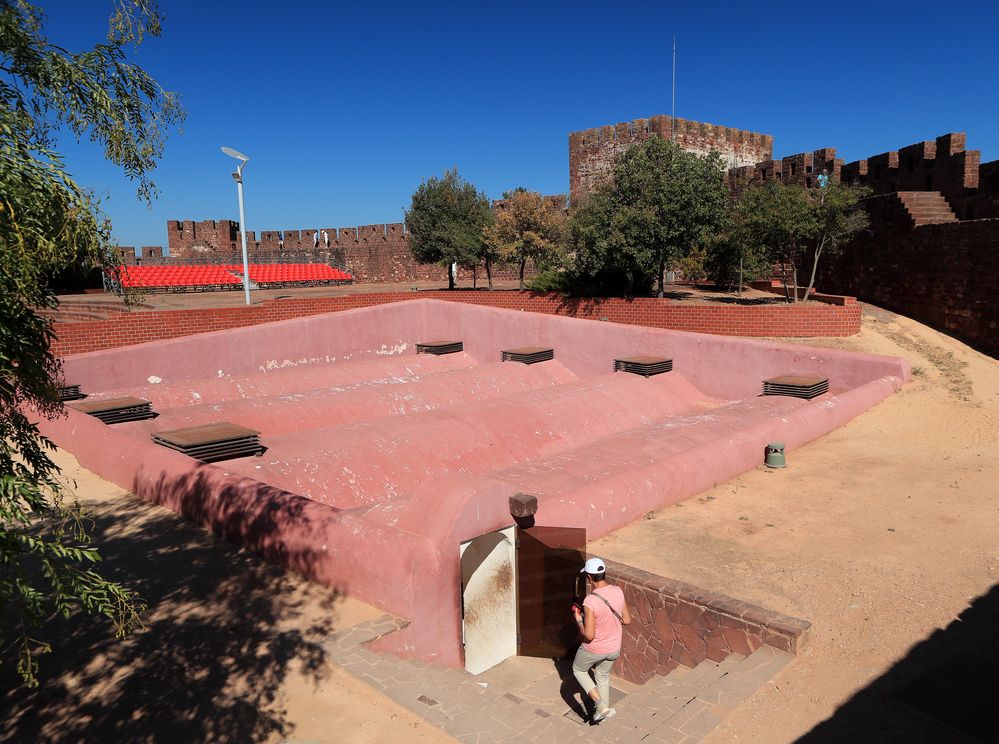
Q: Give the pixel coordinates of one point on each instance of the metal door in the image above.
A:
(548, 563)
(488, 599)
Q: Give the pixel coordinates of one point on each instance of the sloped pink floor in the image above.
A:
(380, 462)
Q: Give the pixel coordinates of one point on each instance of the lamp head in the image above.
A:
(235, 154)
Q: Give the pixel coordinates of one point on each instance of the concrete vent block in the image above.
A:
(796, 386)
(212, 442)
(71, 392)
(529, 354)
(438, 348)
(116, 410)
(646, 366)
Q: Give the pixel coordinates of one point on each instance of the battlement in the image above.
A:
(186, 238)
(592, 151)
(801, 168)
(629, 132)
(942, 165)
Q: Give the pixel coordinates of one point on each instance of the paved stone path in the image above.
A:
(529, 700)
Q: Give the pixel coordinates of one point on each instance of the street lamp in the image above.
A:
(238, 177)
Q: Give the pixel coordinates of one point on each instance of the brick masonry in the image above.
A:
(592, 151)
(372, 253)
(942, 165)
(944, 275)
(779, 320)
(676, 624)
(940, 274)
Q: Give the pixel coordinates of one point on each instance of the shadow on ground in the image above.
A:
(223, 631)
(589, 306)
(945, 690)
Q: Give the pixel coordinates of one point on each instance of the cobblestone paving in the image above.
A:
(680, 708)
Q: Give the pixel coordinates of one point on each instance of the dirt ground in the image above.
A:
(881, 534)
(230, 652)
(193, 300)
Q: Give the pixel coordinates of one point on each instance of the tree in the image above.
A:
(776, 220)
(445, 222)
(603, 259)
(49, 223)
(838, 216)
(528, 227)
(661, 203)
(789, 223)
(732, 259)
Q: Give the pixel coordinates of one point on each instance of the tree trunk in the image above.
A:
(450, 275)
(475, 277)
(815, 266)
(489, 271)
(662, 270)
(794, 268)
(783, 276)
(523, 265)
(740, 275)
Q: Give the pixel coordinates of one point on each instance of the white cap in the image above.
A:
(594, 566)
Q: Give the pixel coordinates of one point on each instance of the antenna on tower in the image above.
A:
(672, 125)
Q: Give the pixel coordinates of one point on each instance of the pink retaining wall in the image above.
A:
(125, 329)
(381, 548)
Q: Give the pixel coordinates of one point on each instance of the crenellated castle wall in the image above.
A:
(371, 253)
(592, 151)
(943, 274)
(943, 165)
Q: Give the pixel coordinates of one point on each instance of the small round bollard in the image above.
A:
(775, 455)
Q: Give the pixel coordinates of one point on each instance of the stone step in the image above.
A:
(706, 694)
(743, 678)
(927, 207)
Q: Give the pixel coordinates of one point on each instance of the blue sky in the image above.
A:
(345, 107)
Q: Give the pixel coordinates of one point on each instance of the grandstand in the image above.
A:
(220, 277)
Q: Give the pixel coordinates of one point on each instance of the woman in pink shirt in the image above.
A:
(600, 624)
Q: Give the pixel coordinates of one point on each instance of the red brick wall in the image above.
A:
(944, 165)
(592, 151)
(943, 275)
(802, 169)
(675, 624)
(734, 320)
(372, 253)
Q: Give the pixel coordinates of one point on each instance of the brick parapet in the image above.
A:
(735, 320)
(678, 624)
(802, 169)
(942, 165)
(944, 275)
(970, 187)
(371, 253)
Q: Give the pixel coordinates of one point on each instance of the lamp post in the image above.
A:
(238, 177)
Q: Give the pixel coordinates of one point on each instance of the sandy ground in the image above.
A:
(191, 300)
(880, 533)
(230, 651)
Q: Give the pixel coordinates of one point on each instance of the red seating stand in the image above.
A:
(217, 277)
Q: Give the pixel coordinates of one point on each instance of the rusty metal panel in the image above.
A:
(548, 563)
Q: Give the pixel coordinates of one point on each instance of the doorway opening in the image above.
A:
(517, 589)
